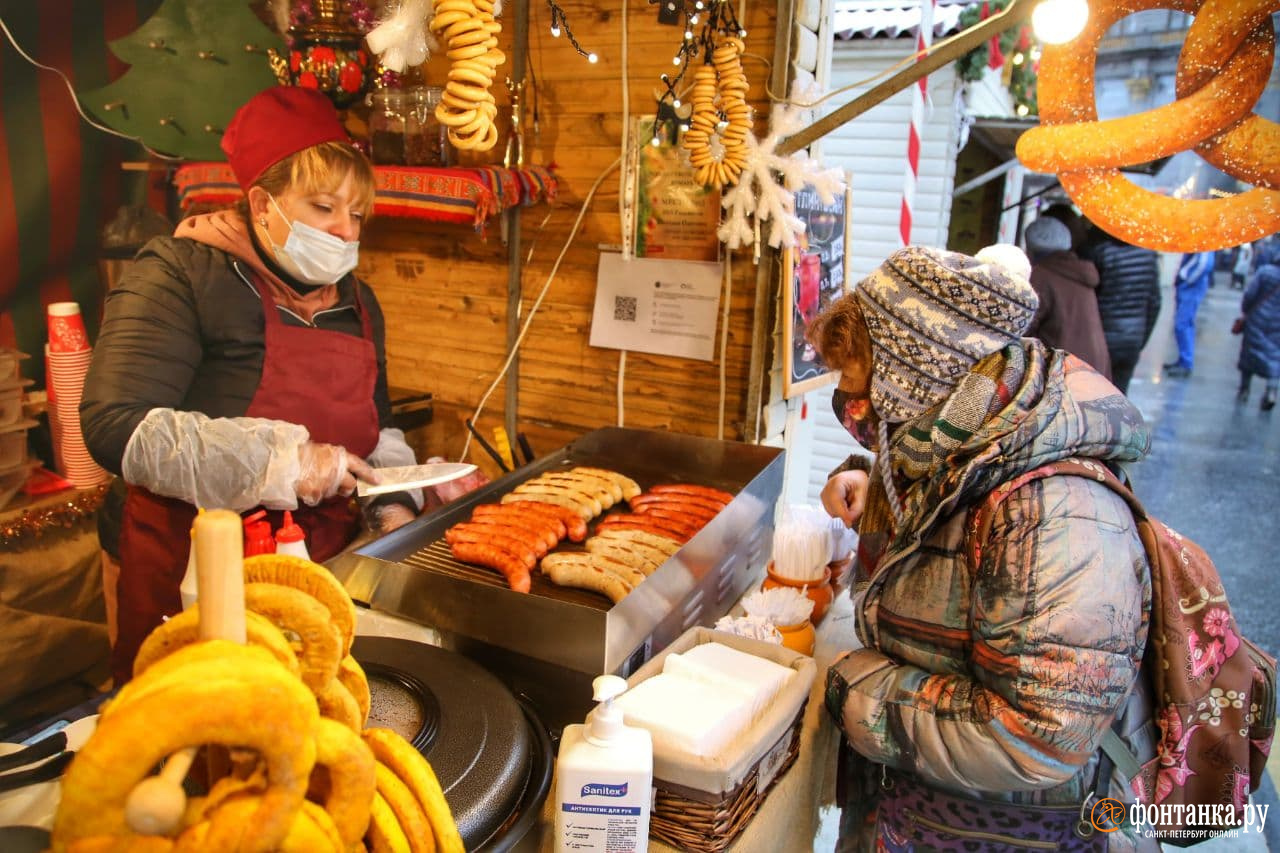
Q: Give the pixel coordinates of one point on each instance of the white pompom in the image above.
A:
(1008, 256)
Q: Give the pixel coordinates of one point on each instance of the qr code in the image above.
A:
(624, 308)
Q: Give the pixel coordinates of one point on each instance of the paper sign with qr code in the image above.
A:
(657, 306)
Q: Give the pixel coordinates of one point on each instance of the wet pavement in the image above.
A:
(1214, 469)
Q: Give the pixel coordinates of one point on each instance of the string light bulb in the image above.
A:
(1059, 21)
(592, 58)
(1018, 58)
(555, 31)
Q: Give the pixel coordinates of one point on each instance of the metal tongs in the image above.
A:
(43, 771)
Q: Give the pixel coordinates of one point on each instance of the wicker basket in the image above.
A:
(699, 821)
(714, 800)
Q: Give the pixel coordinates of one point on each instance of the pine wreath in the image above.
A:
(1022, 75)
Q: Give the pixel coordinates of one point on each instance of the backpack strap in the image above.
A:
(980, 521)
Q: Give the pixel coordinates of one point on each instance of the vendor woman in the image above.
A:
(241, 364)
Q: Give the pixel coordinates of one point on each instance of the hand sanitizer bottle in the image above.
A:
(604, 779)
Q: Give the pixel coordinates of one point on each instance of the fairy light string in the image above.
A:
(560, 26)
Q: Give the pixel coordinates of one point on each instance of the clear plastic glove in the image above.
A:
(234, 463)
(388, 517)
(325, 470)
(845, 495)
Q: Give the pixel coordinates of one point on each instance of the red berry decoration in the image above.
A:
(323, 55)
(351, 77)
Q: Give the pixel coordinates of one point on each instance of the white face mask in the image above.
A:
(313, 256)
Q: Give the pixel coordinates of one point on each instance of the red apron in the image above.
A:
(322, 380)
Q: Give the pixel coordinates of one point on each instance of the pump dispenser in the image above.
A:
(291, 539)
(604, 779)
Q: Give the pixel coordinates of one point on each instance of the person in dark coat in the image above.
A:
(1068, 314)
(1260, 313)
(241, 364)
(1128, 300)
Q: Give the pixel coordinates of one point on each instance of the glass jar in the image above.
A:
(387, 127)
(425, 141)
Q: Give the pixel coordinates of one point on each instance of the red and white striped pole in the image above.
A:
(919, 93)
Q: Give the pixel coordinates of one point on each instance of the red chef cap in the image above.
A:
(275, 123)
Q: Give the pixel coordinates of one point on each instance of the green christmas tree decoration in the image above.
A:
(192, 64)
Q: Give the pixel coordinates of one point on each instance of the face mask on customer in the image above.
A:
(853, 410)
(313, 256)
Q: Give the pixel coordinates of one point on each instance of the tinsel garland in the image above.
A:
(34, 524)
(1021, 76)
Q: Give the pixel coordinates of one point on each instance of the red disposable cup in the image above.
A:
(66, 328)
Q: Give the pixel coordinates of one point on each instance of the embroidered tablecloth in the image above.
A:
(465, 196)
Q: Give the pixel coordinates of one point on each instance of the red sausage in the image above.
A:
(638, 523)
(677, 510)
(534, 525)
(697, 491)
(514, 510)
(493, 557)
(650, 498)
(506, 537)
(574, 524)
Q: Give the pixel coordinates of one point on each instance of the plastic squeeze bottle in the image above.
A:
(291, 539)
(604, 779)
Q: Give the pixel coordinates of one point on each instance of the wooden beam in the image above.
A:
(958, 45)
(520, 53)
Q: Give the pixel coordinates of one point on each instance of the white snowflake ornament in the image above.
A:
(766, 188)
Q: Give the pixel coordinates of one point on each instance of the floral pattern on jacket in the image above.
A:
(999, 681)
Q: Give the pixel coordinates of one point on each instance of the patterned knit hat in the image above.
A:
(931, 316)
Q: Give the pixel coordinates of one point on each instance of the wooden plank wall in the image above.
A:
(444, 288)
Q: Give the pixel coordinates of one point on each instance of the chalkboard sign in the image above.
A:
(815, 273)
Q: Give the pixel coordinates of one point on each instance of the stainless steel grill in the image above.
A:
(555, 631)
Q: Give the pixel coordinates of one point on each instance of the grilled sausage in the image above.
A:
(604, 491)
(661, 542)
(633, 554)
(696, 515)
(550, 529)
(494, 557)
(574, 525)
(535, 540)
(519, 546)
(630, 488)
(586, 508)
(644, 527)
(682, 502)
(690, 489)
(580, 570)
(681, 527)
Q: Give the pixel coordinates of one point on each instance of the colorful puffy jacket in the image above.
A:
(1000, 682)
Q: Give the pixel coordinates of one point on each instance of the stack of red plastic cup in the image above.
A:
(68, 356)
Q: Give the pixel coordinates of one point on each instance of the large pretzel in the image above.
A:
(223, 693)
(1223, 68)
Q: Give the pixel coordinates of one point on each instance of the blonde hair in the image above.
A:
(840, 333)
(322, 168)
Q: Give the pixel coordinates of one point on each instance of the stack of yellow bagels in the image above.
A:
(720, 89)
(1223, 69)
(469, 32)
(288, 708)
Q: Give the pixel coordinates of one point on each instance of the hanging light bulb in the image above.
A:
(1022, 109)
(592, 58)
(1018, 58)
(675, 60)
(1059, 21)
(688, 34)
(555, 31)
(693, 19)
(675, 103)
(655, 142)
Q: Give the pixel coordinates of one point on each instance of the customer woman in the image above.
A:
(982, 690)
(241, 365)
(1259, 321)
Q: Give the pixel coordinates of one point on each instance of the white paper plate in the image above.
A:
(35, 805)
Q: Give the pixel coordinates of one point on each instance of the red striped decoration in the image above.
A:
(919, 95)
(59, 178)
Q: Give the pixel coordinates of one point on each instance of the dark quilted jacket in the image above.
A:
(1260, 348)
(1128, 296)
(184, 299)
